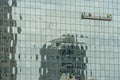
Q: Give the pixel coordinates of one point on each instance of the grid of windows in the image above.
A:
(53, 39)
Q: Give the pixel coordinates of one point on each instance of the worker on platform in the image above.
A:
(83, 14)
(90, 14)
(108, 15)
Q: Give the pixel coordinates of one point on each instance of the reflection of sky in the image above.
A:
(44, 20)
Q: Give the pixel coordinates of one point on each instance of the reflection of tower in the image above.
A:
(64, 55)
(8, 41)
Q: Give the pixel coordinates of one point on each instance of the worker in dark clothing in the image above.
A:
(90, 14)
(83, 14)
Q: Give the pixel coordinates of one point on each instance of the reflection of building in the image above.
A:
(8, 41)
(64, 55)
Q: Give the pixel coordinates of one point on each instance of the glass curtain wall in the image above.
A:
(59, 39)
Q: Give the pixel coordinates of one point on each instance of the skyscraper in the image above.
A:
(43, 21)
(8, 41)
(64, 55)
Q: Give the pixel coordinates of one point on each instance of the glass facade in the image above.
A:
(59, 39)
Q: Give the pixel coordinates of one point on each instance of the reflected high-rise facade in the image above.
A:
(64, 55)
(8, 41)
